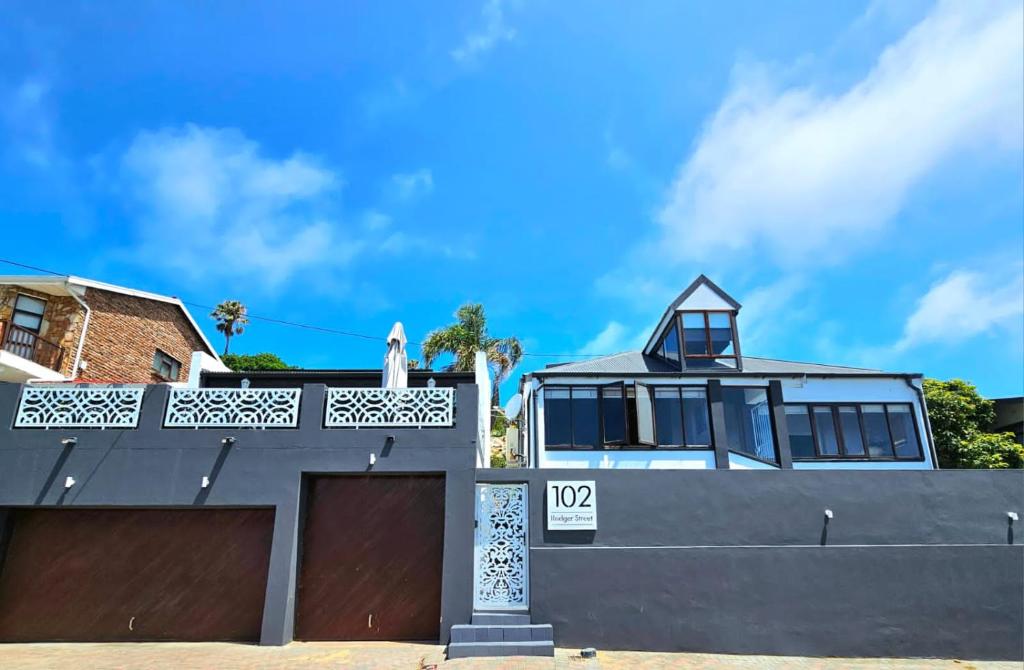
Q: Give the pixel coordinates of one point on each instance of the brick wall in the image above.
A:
(62, 320)
(125, 332)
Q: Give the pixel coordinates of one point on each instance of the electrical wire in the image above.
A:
(295, 324)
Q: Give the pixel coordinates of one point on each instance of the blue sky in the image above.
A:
(851, 172)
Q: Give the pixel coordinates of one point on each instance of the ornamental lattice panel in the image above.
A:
(233, 408)
(78, 407)
(381, 407)
(501, 575)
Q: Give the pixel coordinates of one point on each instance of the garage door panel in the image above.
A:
(371, 558)
(132, 575)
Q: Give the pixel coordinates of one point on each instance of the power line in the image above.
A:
(293, 324)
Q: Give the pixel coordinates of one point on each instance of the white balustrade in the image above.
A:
(78, 407)
(389, 407)
(232, 408)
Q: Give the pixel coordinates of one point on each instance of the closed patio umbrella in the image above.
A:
(396, 363)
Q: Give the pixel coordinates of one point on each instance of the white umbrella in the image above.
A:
(396, 363)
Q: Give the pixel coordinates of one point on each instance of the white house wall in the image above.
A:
(704, 299)
(851, 390)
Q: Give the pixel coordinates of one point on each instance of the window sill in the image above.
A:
(857, 459)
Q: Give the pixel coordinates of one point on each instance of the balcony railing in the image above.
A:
(380, 408)
(78, 407)
(110, 407)
(232, 408)
(30, 346)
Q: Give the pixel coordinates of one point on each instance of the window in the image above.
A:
(617, 415)
(669, 347)
(869, 431)
(709, 338)
(28, 312)
(748, 422)
(167, 367)
(801, 438)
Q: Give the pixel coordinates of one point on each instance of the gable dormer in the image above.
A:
(698, 330)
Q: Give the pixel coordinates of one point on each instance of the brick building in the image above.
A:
(72, 329)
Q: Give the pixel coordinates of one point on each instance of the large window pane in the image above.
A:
(584, 417)
(644, 415)
(849, 426)
(828, 441)
(694, 335)
(801, 441)
(748, 424)
(697, 425)
(721, 334)
(904, 435)
(668, 416)
(876, 431)
(557, 418)
(613, 410)
(671, 345)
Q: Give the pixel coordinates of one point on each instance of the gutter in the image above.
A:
(81, 337)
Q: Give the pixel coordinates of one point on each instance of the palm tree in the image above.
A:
(231, 319)
(467, 336)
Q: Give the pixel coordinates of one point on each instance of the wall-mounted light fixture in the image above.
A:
(373, 458)
(228, 441)
(69, 481)
(69, 441)
(205, 483)
(828, 514)
(1013, 516)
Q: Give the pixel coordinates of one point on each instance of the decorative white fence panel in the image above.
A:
(233, 408)
(78, 407)
(381, 408)
(501, 572)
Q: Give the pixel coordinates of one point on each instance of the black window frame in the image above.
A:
(710, 356)
(777, 463)
(866, 455)
(604, 444)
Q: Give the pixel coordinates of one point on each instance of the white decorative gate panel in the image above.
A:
(232, 408)
(501, 574)
(78, 407)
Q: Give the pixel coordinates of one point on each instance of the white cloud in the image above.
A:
(213, 206)
(803, 175)
(615, 338)
(963, 305)
(493, 32)
(414, 184)
(28, 116)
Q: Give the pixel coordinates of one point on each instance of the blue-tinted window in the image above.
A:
(697, 424)
(876, 431)
(721, 334)
(798, 423)
(668, 417)
(695, 334)
(584, 418)
(849, 425)
(904, 433)
(828, 440)
(670, 346)
(557, 417)
(613, 414)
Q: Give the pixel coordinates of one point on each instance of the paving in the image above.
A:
(411, 656)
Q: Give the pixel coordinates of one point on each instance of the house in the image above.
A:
(691, 399)
(65, 328)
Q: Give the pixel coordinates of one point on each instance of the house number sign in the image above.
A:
(572, 506)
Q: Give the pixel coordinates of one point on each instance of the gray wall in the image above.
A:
(918, 563)
(153, 466)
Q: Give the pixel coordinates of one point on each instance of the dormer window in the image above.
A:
(708, 338)
(698, 330)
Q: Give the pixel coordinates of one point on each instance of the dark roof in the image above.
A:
(636, 363)
(356, 378)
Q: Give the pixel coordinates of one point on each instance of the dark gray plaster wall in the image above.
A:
(914, 563)
(158, 467)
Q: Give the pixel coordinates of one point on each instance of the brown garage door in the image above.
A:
(371, 559)
(111, 575)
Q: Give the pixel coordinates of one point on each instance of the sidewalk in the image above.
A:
(410, 656)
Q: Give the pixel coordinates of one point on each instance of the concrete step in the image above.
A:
(500, 619)
(521, 633)
(478, 649)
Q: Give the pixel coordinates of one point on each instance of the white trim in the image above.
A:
(30, 370)
(67, 280)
